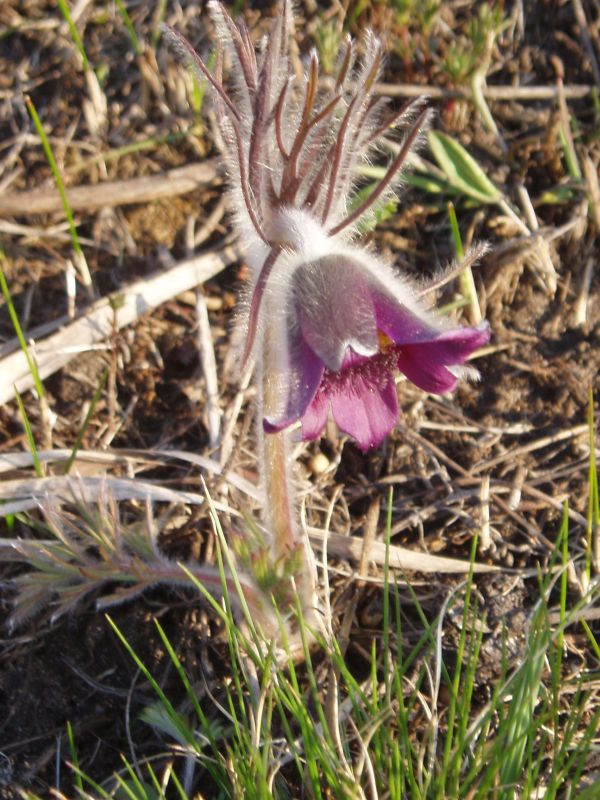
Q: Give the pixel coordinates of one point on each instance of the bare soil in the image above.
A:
(522, 427)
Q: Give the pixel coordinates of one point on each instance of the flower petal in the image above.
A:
(401, 324)
(428, 364)
(364, 412)
(335, 309)
(315, 418)
(296, 386)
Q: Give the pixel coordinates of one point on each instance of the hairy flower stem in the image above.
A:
(278, 490)
(289, 548)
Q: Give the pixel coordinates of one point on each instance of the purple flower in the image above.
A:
(329, 322)
(347, 331)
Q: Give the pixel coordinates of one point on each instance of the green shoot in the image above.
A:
(328, 41)
(157, 20)
(199, 87)
(94, 401)
(31, 363)
(467, 283)
(383, 209)
(468, 53)
(386, 583)
(456, 681)
(567, 122)
(174, 716)
(456, 237)
(464, 174)
(29, 436)
(135, 42)
(74, 758)
(418, 13)
(591, 638)
(593, 516)
(80, 261)
(64, 10)
(570, 155)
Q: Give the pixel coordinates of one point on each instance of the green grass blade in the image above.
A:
(456, 680)
(86, 421)
(29, 435)
(135, 42)
(37, 381)
(74, 758)
(591, 638)
(64, 10)
(116, 153)
(456, 237)
(175, 780)
(134, 785)
(386, 587)
(157, 20)
(467, 283)
(80, 258)
(186, 683)
(99, 791)
(593, 516)
(174, 716)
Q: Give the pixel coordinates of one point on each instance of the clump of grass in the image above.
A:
(277, 729)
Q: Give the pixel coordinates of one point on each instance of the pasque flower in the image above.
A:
(348, 325)
(330, 322)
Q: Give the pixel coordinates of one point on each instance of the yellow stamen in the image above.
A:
(384, 341)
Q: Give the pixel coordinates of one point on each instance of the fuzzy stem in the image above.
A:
(280, 505)
(290, 549)
(276, 466)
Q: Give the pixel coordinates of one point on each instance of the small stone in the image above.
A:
(318, 464)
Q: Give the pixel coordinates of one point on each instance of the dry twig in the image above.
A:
(98, 323)
(112, 193)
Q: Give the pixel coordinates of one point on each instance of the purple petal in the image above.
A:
(315, 418)
(297, 386)
(400, 324)
(335, 309)
(366, 413)
(426, 364)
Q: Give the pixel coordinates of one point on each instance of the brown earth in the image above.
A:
(522, 426)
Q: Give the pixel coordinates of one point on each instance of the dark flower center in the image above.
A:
(375, 371)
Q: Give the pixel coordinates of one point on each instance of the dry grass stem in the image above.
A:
(400, 558)
(209, 371)
(111, 193)
(98, 323)
(503, 93)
